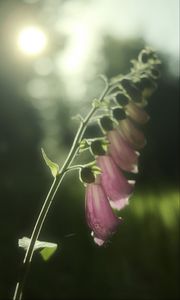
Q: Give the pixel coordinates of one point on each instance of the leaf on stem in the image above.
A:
(47, 252)
(46, 249)
(77, 117)
(52, 165)
(104, 78)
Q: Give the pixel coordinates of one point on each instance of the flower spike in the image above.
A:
(106, 185)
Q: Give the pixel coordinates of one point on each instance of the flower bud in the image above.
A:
(106, 123)
(143, 56)
(97, 148)
(145, 83)
(147, 54)
(147, 86)
(131, 90)
(122, 99)
(119, 114)
(152, 54)
(116, 89)
(86, 175)
(155, 73)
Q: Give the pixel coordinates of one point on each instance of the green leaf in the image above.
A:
(47, 249)
(53, 166)
(47, 252)
(77, 117)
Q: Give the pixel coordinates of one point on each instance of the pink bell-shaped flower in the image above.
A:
(132, 135)
(117, 188)
(136, 113)
(123, 155)
(99, 214)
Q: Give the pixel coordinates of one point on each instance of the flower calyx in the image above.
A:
(122, 99)
(83, 145)
(119, 114)
(106, 123)
(98, 147)
(130, 88)
(148, 55)
(86, 175)
(89, 172)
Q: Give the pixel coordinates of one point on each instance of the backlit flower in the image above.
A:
(117, 188)
(123, 155)
(132, 135)
(99, 214)
(136, 113)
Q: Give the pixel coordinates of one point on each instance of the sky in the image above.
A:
(85, 23)
(156, 20)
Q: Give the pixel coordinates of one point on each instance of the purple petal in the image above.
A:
(123, 155)
(136, 113)
(117, 188)
(99, 214)
(98, 241)
(133, 136)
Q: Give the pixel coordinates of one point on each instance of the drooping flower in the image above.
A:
(117, 188)
(120, 150)
(117, 151)
(99, 214)
(132, 135)
(128, 130)
(123, 155)
(131, 109)
(136, 113)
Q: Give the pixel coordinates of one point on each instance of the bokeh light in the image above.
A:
(32, 40)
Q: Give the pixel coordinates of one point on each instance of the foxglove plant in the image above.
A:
(120, 111)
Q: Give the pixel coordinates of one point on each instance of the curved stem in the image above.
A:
(35, 234)
(49, 200)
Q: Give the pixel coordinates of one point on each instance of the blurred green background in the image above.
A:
(38, 96)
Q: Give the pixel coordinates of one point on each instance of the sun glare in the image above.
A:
(32, 40)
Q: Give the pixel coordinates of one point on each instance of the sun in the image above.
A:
(32, 40)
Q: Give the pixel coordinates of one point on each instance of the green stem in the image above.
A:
(49, 200)
(35, 234)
